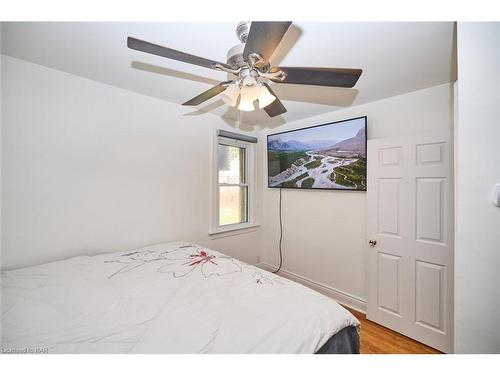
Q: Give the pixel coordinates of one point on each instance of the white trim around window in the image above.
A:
(217, 230)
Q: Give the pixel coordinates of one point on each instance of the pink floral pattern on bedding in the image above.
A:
(200, 260)
(179, 262)
(188, 259)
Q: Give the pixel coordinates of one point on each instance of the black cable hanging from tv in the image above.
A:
(281, 238)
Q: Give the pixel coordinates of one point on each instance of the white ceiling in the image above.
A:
(395, 58)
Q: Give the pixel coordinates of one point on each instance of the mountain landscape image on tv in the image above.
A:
(329, 156)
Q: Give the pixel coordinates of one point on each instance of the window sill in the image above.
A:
(233, 230)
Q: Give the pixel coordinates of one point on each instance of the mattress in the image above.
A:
(165, 298)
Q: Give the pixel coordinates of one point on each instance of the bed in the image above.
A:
(168, 298)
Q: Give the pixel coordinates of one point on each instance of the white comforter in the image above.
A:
(166, 298)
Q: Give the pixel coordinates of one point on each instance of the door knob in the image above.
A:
(372, 242)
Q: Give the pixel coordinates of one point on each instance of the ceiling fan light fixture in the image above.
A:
(230, 95)
(246, 105)
(265, 97)
(250, 89)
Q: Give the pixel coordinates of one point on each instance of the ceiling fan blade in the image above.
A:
(210, 93)
(333, 77)
(264, 37)
(169, 53)
(276, 108)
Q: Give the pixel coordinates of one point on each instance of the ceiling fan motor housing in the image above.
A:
(242, 30)
(235, 56)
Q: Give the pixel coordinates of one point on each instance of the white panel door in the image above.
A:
(410, 227)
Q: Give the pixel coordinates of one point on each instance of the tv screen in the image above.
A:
(328, 156)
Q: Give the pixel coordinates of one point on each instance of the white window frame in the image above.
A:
(250, 165)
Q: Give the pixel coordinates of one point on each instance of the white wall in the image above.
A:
(477, 249)
(90, 168)
(0, 176)
(325, 231)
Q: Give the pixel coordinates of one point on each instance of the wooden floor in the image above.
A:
(376, 339)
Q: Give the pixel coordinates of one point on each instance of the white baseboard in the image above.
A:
(341, 297)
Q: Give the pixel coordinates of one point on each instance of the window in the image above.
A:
(233, 187)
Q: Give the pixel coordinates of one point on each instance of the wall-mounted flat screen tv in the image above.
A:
(327, 156)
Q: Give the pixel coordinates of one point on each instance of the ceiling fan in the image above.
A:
(249, 62)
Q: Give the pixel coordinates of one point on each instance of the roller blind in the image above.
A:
(239, 137)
